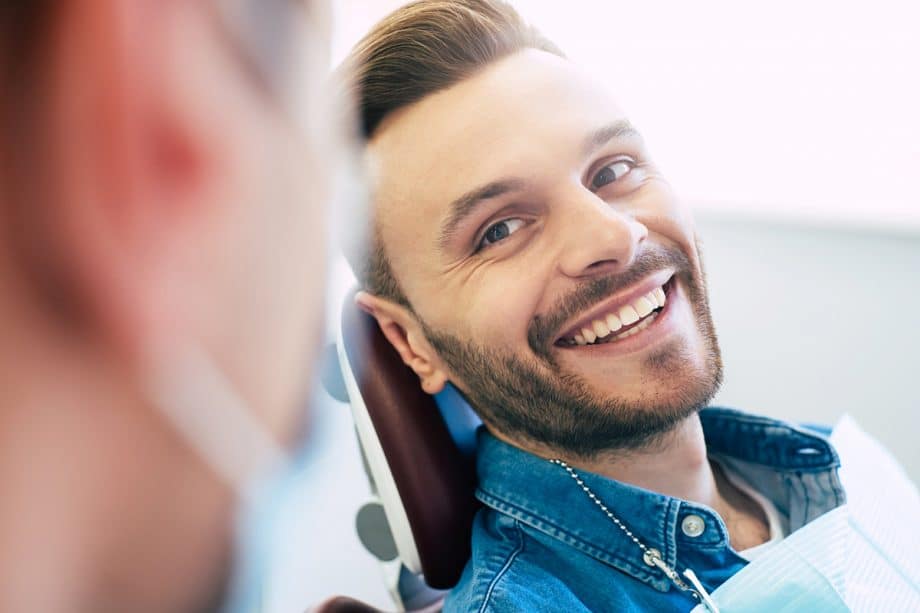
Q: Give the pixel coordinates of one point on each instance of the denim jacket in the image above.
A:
(540, 544)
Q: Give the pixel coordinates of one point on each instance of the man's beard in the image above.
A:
(536, 401)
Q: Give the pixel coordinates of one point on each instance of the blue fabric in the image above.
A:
(540, 544)
(459, 418)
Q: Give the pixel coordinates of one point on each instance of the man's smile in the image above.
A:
(622, 316)
(554, 281)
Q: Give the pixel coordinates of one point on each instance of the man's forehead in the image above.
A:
(522, 112)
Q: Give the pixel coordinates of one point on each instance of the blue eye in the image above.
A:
(500, 231)
(610, 173)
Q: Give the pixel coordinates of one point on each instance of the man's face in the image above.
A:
(547, 261)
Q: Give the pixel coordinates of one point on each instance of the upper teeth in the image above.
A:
(629, 314)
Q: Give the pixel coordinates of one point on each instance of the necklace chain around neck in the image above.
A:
(650, 555)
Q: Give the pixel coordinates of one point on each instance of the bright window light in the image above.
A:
(808, 111)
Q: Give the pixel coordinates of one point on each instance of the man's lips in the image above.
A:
(620, 315)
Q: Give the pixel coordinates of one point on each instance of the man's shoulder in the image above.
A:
(505, 573)
(744, 423)
(513, 569)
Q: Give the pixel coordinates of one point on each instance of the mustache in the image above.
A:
(544, 329)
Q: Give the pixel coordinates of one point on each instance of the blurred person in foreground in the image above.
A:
(527, 250)
(164, 170)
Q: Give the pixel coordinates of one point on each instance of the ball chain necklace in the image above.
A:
(650, 555)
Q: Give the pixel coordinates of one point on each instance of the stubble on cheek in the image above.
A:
(666, 362)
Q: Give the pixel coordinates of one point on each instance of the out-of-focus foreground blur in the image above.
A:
(792, 129)
(165, 169)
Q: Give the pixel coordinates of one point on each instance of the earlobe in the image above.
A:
(432, 378)
(434, 383)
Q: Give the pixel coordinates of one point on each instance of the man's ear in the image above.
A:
(403, 331)
(138, 155)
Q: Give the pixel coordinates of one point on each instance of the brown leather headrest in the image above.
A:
(434, 479)
(343, 604)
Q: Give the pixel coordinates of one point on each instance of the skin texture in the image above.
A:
(486, 315)
(165, 197)
(574, 245)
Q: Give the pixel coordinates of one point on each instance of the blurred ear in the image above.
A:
(143, 156)
(406, 335)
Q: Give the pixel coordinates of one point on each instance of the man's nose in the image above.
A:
(599, 237)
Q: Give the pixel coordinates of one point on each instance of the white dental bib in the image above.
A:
(862, 556)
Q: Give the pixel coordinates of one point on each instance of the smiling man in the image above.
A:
(527, 250)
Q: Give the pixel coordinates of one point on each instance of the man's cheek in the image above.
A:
(500, 314)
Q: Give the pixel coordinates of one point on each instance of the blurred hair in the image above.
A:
(24, 25)
(420, 49)
(26, 29)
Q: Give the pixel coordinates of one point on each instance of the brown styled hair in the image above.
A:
(421, 48)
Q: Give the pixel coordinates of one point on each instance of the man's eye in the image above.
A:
(500, 231)
(611, 172)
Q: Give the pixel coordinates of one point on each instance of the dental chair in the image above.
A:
(419, 455)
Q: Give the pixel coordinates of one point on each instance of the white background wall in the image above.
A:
(788, 108)
(794, 130)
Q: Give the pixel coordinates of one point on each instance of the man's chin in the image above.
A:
(628, 411)
(659, 377)
(581, 415)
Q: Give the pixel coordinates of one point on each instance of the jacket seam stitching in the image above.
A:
(504, 568)
(616, 559)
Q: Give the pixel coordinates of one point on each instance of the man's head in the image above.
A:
(518, 217)
(156, 176)
(163, 171)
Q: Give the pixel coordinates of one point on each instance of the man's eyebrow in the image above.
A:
(465, 205)
(619, 129)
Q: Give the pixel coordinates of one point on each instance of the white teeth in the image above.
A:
(600, 328)
(614, 323)
(644, 307)
(628, 315)
(642, 326)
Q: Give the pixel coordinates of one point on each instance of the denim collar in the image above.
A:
(793, 468)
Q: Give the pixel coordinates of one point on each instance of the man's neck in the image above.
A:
(677, 465)
(674, 465)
